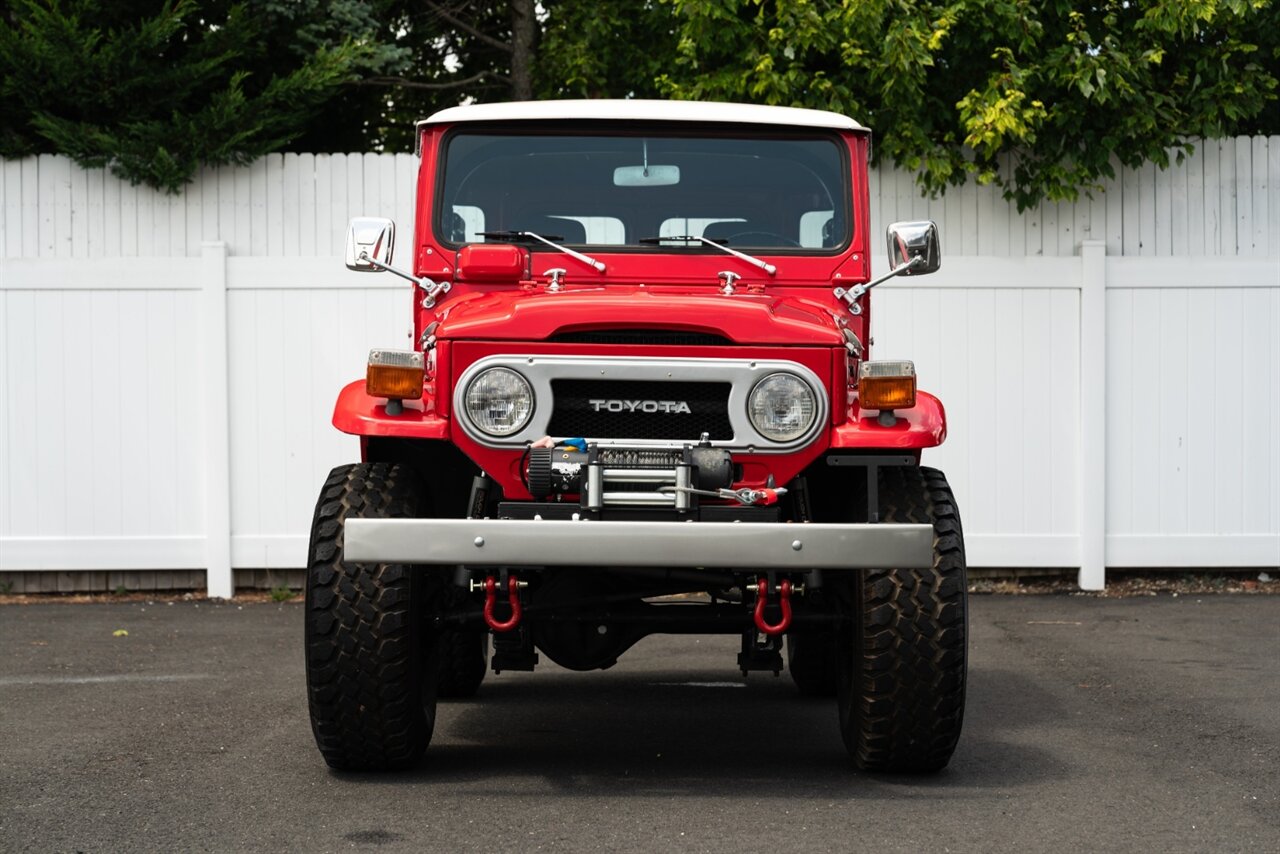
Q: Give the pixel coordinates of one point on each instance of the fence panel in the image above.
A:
(1003, 358)
(1193, 374)
(100, 443)
(292, 349)
(1124, 407)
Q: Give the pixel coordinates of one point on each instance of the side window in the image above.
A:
(466, 225)
(814, 228)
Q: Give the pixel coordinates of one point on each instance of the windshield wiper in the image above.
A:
(516, 236)
(763, 265)
(547, 239)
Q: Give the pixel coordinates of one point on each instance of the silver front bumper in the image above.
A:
(512, 542)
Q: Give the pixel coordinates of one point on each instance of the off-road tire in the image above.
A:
(901, 689)
(370, 651)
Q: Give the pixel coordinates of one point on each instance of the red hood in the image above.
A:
(742, 318)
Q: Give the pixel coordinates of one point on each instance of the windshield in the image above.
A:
(606, 190)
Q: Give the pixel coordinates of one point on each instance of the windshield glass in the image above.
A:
(606, 190)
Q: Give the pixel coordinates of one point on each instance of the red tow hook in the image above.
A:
(762, 600)
(513, 597)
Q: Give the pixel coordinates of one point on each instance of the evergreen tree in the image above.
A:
(154, 89)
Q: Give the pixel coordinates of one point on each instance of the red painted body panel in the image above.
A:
(359, 414)
(806, 277)
(534, 314)
(493, 262)
(922, 426)
(504, 307)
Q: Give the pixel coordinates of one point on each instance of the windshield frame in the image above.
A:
(649, 130)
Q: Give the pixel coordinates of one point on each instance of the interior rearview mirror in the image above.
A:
(646, 176)
(909, 241)
(370, 243)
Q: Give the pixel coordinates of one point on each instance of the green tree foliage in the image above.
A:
(953, 88)
(465, 50)
(605, 49)
(293, 32)
(458, 50)
(1038, 96)
(154, 89)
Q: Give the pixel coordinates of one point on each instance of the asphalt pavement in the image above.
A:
(1149, 724)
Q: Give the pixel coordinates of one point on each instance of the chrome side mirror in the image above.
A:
(370, 243)
(914, 249)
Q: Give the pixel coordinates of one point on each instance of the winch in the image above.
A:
(644, 477)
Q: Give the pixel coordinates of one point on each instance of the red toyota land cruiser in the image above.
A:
(641, 400)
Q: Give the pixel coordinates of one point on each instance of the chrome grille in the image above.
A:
(715, 390)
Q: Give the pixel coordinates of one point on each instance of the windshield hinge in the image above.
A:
(855, 293)
(851, 297)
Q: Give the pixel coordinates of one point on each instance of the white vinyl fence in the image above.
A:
(168, 365)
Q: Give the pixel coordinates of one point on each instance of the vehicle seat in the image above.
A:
(570, 230)
(754, 234)
(725, 230)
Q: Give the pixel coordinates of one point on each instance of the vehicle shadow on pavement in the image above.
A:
(707, 733)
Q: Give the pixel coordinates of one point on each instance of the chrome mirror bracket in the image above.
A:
(432, 291)
(857, 292)
(370, 244)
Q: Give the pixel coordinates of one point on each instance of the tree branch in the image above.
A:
(417, 84)
(468, 28)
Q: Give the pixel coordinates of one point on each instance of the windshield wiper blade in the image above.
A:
(718, 244)
(516, 236)
(548, 239)
(686, 237)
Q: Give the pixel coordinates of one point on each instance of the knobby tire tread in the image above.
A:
(367, 646)
(906, 683)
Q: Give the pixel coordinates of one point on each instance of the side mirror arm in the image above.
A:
(433, 289)
(852, 295)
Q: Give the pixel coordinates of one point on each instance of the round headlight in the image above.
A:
(782, 407)
(499, 401)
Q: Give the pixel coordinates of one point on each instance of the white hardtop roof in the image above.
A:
(641, 110)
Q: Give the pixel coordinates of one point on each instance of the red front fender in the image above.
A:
(922, 426)
(361, 415)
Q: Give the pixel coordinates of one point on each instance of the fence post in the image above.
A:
(217, 452)
(1093, 415)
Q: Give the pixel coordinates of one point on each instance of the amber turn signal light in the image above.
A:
(394, 374)
(887, 385)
